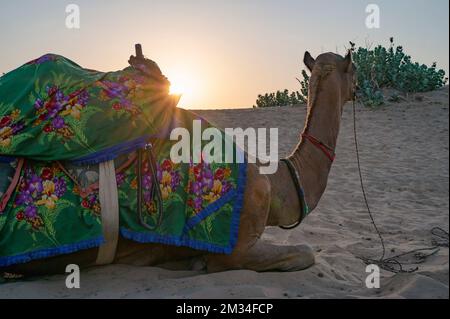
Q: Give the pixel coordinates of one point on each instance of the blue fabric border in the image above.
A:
(183, 240)
(112, 152)
(208, 211)
(236, 215)
(147, 238)
(6, 159)
(50, 252)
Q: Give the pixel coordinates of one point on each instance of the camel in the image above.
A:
(269, 200)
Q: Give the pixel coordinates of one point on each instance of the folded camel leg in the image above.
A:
(265, 257)
(251, 252)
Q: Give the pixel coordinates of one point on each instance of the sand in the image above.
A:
(405, 158)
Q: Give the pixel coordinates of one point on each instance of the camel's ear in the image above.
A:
(348, 62)
(309, 61)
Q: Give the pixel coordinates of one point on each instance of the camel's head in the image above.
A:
(342, 68)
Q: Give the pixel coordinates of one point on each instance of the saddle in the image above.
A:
(85, 154)
(46, 114)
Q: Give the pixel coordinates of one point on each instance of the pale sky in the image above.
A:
(221, 53)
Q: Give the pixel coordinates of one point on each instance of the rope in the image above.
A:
(301, 195)
(394, 264)
(155, 187)
(440, 238)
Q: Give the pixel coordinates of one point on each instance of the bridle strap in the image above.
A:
(301, 194)
(328, 151)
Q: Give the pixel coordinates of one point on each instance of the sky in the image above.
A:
(219, 54)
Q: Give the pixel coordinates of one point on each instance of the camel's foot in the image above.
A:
(265, 257)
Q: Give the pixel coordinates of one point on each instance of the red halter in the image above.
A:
(328, 151)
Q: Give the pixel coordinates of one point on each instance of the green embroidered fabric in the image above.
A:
(52, 109)
(62, 118)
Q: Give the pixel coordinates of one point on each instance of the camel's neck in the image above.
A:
(322, 122)
(313, 166)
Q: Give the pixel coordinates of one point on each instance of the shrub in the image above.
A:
(284, 98)
(392, 68)
(380, 68)
(279, 98)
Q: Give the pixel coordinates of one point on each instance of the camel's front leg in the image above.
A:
(251, 252)
(264, 256)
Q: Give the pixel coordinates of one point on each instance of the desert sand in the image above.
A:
(405, 157)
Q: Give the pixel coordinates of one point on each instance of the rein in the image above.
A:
(396, 264)
(329, 153)
(155, 189)
(300, 192)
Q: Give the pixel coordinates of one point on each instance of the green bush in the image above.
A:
(392, 68)
(279, 98)
(377, 68)
(285, 98)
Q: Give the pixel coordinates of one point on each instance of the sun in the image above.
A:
(187, 83)
(177, 88)
(181, 85)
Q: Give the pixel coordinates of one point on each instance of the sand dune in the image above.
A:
(405, 158)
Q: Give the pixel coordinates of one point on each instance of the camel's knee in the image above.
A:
(269, 257)
(302, 258)
(265, 257)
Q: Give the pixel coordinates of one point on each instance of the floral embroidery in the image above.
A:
(56, 106)
(70, 113)
(206, 185)
(10, 125)
(168, 175)
(169, 179)
(121, 94)
(39, 190)
(90, 202)
(120, 178)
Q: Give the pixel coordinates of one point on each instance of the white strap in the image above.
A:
(109, 203)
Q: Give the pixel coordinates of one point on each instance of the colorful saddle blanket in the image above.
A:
(58, 120)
